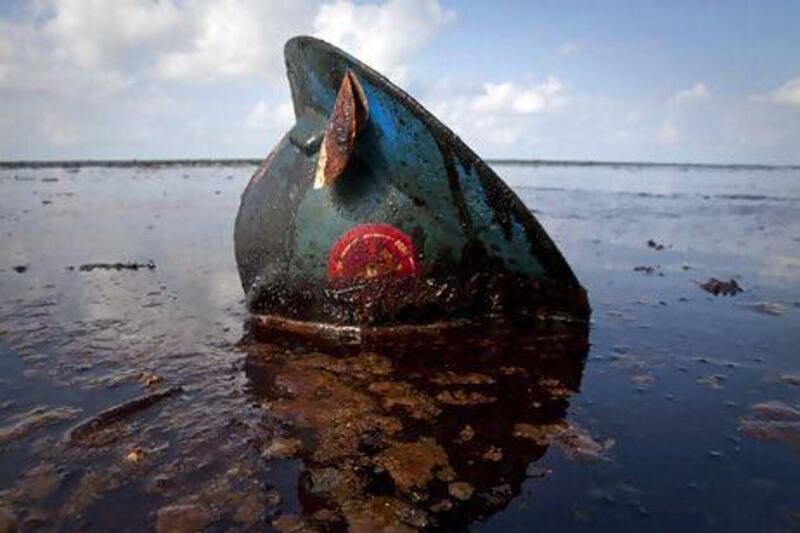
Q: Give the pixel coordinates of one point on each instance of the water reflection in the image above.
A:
(418, 431)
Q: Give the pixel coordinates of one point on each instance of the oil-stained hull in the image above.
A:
(370, 212)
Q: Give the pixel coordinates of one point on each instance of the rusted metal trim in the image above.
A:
(348, 117)
(352, 334)
(266, 324)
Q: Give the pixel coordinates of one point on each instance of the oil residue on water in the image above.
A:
(139, 398)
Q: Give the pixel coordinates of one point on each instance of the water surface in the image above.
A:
(677, 409)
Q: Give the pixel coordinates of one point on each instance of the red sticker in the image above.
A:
(373, 251)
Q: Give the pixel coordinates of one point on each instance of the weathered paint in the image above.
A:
(371, 251)
(480, 250)
(347, 120)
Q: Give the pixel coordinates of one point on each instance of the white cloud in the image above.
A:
(186, 78)
(698, 93)
(788, 93)
(98, 32)
(267, 115)
(244, 38)
(32, 65)
(385, 35)
(681, 115)
(235, 39)
(507, 97)
(495, 116)
(212, 40)
(97, 78)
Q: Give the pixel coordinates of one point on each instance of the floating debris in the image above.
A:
(654, 245)
(83, 432)
(186, 518)
(725, 288)
(135, 454)
(282, 448)
(452, 378)
(461, 490)
(765, 308)
(772, 421)
(417, 404)
(383, 513)
(649, 270)
(151, 379)
(464, 397)
(574, 441)
(415, 464)
(643, 381)
(88, 267)
(466, 434)
(791, 379)
(713, 381)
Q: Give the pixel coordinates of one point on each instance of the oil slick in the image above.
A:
(409, 433)
(419, 432)
(217, 456)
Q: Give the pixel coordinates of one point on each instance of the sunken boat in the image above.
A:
(371, 215)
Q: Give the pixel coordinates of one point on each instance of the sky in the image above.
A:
(641, 80)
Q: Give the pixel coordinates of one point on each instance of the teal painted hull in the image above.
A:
(412, 228)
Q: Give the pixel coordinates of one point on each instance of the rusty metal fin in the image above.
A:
(348, 117)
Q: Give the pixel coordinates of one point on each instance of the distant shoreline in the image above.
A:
(497, 162)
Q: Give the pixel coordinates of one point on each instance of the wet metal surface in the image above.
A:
(411, 191)
(132, 398)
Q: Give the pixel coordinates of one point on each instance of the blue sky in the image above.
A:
(631, 49)
(701, 81)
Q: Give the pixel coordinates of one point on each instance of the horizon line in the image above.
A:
(236, 161)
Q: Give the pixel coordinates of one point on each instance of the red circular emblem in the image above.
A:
(373, 251)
